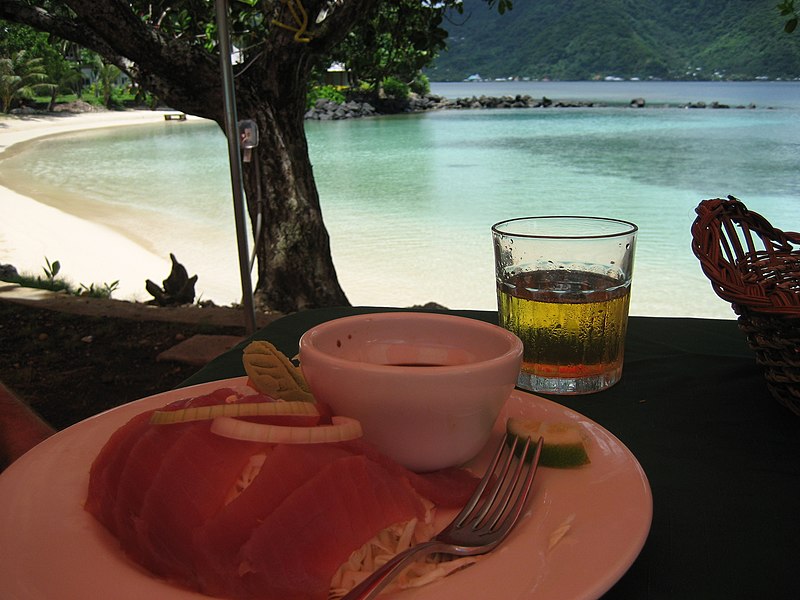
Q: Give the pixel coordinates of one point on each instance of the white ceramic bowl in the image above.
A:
(427, 387)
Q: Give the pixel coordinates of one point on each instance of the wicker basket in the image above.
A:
(757, 268)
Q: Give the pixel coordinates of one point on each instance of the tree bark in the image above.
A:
(293, 249)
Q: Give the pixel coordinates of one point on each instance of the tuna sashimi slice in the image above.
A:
(446, 488)
(294, 553)
(196, 474)
(141, 468)
(218, 542)
(106, 469)
(224, 395)
(161, 490)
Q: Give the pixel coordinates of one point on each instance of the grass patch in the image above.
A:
(52, 282)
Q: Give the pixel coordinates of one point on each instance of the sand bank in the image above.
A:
(15, 129)
(89, 252)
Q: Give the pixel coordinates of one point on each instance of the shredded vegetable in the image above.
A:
(343, 428)
(245, 409)
(384, 546)
(249, 473)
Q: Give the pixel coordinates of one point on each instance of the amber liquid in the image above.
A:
(572, 323)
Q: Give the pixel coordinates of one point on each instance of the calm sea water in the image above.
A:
(409, 200)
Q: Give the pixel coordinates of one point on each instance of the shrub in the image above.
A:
(394, 88)
(329, 92)
(103, 291)
(421, 84)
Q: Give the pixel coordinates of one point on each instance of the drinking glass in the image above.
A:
(563, 287)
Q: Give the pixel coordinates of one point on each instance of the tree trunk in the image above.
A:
(295, 268)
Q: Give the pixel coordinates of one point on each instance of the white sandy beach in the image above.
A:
(90, 253)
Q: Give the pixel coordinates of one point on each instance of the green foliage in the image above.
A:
(103, 291)
(51, 270)
(120, 98)
(329, 92)
(585, 39)
(40, 283)
(394, 88)
(787, 9)
(421, 84)
(54, 283)
(15, 37)
(397, 40)
(51, 281)
(21, 75)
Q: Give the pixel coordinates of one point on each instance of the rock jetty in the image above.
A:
(327, 110)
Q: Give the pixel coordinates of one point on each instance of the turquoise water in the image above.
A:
(409, 200)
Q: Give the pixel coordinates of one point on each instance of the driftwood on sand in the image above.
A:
(177, 289)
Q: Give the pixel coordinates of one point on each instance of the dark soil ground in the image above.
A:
(70, 366)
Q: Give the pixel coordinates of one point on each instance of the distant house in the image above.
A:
(475, 77)
(91, 76)
(336, 75)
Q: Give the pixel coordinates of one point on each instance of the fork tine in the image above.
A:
(482, 485)
(509, 485)
(456, 539)
(523, 491)
(500, 482)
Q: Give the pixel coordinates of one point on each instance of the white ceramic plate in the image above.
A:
(600, 515)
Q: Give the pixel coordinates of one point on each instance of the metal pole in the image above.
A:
(235, 158)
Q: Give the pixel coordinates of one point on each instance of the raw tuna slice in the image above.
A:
(193, 481)
(219, 396)
(447, 488)
(218, 542)
(162, 491)
(107, 468)
(294, 553)
(138, 474)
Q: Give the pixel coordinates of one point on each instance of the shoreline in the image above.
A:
(15, 129)
(94, 252)
(84, 246)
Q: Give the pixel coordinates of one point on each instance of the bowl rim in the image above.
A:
(515, 344)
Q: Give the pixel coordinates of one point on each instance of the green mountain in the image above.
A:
(587, 39)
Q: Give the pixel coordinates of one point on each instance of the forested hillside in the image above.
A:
(586, 39)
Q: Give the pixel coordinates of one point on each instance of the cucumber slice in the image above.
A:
(563, 446)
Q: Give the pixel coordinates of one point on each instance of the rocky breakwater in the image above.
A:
(327, 110)
(715, 104)
(487, 102)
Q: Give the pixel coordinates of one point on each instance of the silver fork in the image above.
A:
(482, 524)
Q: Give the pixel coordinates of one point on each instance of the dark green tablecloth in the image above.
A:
(722, 456)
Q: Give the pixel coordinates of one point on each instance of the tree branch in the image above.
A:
(62, 26)
(339, 22)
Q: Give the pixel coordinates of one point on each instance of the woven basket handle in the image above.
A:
(749, 262)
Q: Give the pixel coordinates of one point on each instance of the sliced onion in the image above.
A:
(343, 428)
(245, 409)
